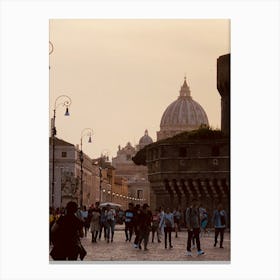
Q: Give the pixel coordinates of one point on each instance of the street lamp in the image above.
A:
(85, 132)
(50, 51)
(65, 101)
(100, 182)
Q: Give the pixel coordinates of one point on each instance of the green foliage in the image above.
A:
(203, 133)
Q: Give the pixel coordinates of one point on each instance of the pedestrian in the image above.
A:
(120, 216)
(177, 217)
(136, 221)
(204, 221)
(110, 215)
(193, 227)
(51, 222)
(219, 221)
(103, 224)
(167, 221)
(66, 233)
(128, 220)
(144, 226)
(94, 224)
(161, 214)
(155, 226)
(84, 214)
(88, 219)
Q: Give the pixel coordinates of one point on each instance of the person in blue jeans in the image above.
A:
(167, 222)
(110, 215)
(219, 222)
(193, 227)
(102, 223)
(128, 219)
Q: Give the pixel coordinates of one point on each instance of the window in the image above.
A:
(128, 157)
(182, 152)
(63, 154)
(215, 151)
(139, 193)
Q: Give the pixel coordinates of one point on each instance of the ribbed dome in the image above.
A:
(182, 115)
(145, 140)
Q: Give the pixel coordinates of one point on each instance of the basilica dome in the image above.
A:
(145, 140)
(184, 114)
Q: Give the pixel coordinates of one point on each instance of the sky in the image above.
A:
(122, 74)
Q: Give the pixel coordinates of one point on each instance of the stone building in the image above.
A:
(193, 163)
(137, 175)
(67, 175)
(120, 192)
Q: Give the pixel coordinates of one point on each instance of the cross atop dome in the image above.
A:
(185, 90)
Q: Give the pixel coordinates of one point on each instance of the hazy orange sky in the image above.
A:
(122, 74)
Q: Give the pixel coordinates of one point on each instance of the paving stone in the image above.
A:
(121, 251)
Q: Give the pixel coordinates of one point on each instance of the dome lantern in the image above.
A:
(185, 90)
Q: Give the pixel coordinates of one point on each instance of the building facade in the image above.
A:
(136, 175)
(193, 162)
(67, 175)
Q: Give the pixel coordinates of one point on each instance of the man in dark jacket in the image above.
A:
(66, 235)
(136, 221)
(193, 227)
(145, 220)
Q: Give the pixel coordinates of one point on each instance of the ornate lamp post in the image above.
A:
(100, 182)
(50, 47)
(85, 132)
(65, 101)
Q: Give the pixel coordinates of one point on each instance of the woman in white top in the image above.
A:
(167, 221)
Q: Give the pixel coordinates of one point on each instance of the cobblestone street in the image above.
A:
(120, 250)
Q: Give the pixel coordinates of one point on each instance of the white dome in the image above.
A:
(184, 114)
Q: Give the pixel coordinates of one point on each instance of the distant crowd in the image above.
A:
(68, 225)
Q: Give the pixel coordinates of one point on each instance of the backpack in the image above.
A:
(167, 222)
(223, 220)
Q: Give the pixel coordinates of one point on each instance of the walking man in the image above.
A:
(128, 216)
(219, 221)
(193, 226)
(144, 226)
(136, 222)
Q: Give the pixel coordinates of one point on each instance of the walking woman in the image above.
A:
(167, 221)
(94, 224)
(155, 226)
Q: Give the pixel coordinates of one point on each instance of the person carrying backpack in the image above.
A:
(219, 222)
(193, 227)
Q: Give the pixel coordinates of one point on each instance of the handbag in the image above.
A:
(82, 251)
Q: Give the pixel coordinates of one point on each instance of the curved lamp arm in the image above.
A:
(66, 102)
(86, 132)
